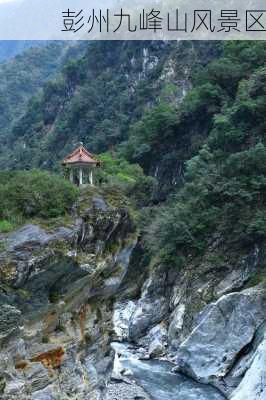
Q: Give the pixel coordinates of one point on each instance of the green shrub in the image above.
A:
(130, 177)
(34, 194)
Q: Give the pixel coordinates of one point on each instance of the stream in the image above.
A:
(158, 380)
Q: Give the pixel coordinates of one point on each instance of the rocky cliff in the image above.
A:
(83, 315)
(56, 295)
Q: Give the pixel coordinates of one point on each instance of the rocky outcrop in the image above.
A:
(157, 340)
(153, 304)
(56, 297)
(227, 327)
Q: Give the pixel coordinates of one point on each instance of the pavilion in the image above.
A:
(79, 166)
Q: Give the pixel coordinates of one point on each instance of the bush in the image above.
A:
(129, 177)
(34, 194)
(118, 170)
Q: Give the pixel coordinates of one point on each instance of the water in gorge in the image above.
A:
(157, 378)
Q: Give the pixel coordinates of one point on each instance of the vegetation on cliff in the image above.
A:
(33, 194)
(225, 182)
(127, 177)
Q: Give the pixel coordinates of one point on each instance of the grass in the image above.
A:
(53, 223)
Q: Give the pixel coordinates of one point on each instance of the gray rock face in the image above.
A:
(10, 320)
(157, 337)
(148, 313)
(46, 394)
(37, 377)
(253, 385)
(28, 235)
(56, 305)
(176, 324)
(152, 306)
(226, 328)
(122, 391)
(26, 249)
(32, 236)
(99, 204)
(237, 278)
(123, 312)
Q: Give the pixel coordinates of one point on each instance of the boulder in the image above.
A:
(123, 312)
(99, 204)
(224, 331)
(29, 236)
(156, 348)
(152, 306)
(154, 343)
(148, 313)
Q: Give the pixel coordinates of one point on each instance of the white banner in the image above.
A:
(132, 20)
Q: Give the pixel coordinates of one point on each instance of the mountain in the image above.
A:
(23, 76)
(10, 48)
(99, 96)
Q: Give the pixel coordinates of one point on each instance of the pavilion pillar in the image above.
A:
(91, 177)
(71, 176)
(80, 176)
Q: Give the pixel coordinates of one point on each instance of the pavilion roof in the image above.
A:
(80, 156)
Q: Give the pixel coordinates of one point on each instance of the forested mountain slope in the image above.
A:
(224, 183)
(24, 75)
(11, 48)
(98, 97)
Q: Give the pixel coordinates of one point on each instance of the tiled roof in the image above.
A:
(80, 156)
